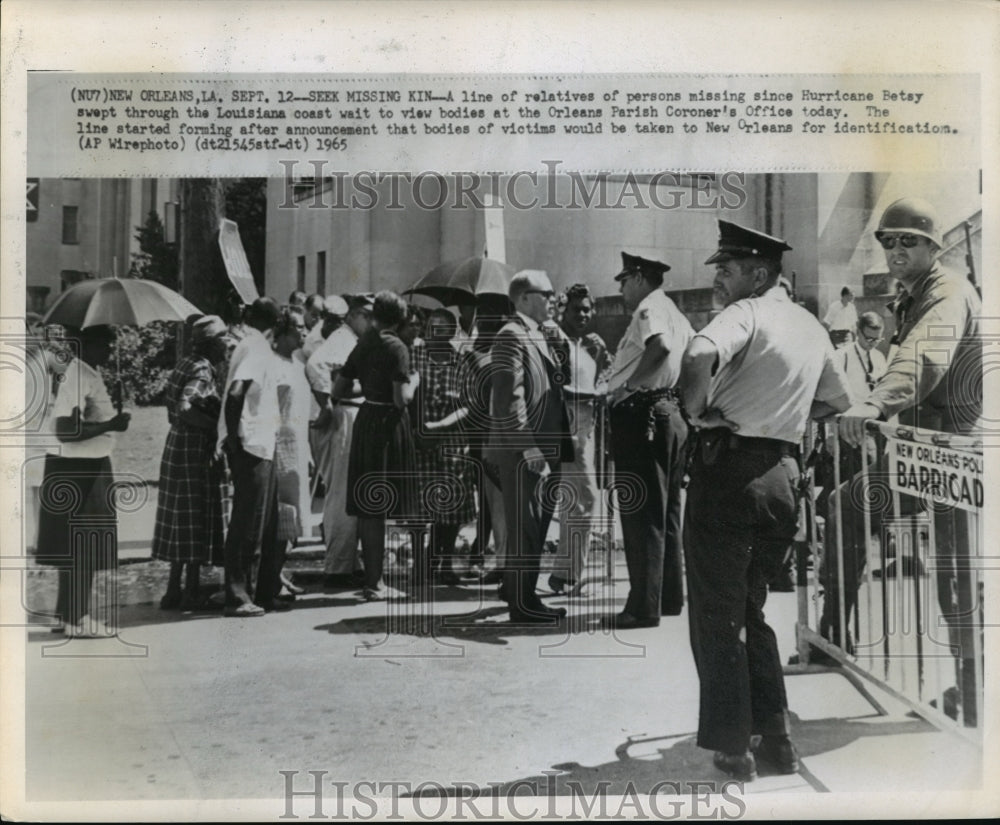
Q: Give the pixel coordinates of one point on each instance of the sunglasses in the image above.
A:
(905, 241)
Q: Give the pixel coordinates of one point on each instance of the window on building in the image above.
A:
(70, 229)
(68, 277)
(300, 273)
(321, 272)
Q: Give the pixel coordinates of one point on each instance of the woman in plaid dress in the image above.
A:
(442, 463)
(189, 518)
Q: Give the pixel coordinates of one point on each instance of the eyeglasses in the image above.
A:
(871, 339)
(548, 293)
(906, 241)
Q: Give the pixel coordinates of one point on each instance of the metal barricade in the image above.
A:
(604, 521)
(889, 567)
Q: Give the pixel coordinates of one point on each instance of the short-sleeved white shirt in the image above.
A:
(841, 316)
(253, 360)
(774, 360)
(331, 354)
(313, 339)
(83, 387)
(655, 315)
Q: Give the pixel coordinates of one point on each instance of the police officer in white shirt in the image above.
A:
(648, 434)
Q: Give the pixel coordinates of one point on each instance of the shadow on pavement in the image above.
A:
(488, 625)
(673, 764)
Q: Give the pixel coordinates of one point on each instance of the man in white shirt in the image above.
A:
(588, 362)
(82, 538)
(248, 429)
(751, 379)
(648, 434)
(862, 362)
(841, 318)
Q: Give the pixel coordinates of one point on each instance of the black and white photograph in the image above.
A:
(402, 434)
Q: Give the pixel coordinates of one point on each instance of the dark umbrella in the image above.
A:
(459, 282)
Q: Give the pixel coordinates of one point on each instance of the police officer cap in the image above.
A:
(737, 241)
(335, 305)
(633, 264)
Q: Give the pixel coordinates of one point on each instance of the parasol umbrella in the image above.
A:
(120, 302)
(458, 282)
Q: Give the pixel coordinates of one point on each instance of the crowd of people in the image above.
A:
(435, 420)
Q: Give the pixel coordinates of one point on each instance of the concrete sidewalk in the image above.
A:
(199, 707)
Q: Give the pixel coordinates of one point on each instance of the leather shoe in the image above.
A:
(338, 581)
(276, 606)
(626, 621)
(537, 615)
(779, 753)
(740, 766)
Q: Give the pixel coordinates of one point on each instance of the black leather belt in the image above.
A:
(643, 398)
(761, 445)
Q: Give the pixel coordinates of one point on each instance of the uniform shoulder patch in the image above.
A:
(643, 314)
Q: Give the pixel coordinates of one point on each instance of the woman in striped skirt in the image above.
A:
(189, 526)
(381, 465)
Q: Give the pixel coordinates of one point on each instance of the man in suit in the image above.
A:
(529, 441)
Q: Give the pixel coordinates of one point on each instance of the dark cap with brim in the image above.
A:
(739, 242)
(365, 301)
(633, 264)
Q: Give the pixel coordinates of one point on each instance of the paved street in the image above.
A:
(199, 707)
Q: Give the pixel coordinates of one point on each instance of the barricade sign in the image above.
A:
(936, 473)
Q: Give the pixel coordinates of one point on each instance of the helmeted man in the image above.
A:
(934, 381)
(648, 434)
(750, 381)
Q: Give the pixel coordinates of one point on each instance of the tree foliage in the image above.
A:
(246, 204)
(156, 259)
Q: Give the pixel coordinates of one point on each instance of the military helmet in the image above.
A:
(912, 215)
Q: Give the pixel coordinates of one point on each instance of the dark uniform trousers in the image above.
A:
(252, 541)
(528, 507)
(741, 517)
(651, 517)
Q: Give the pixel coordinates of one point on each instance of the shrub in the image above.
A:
(146, 357)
